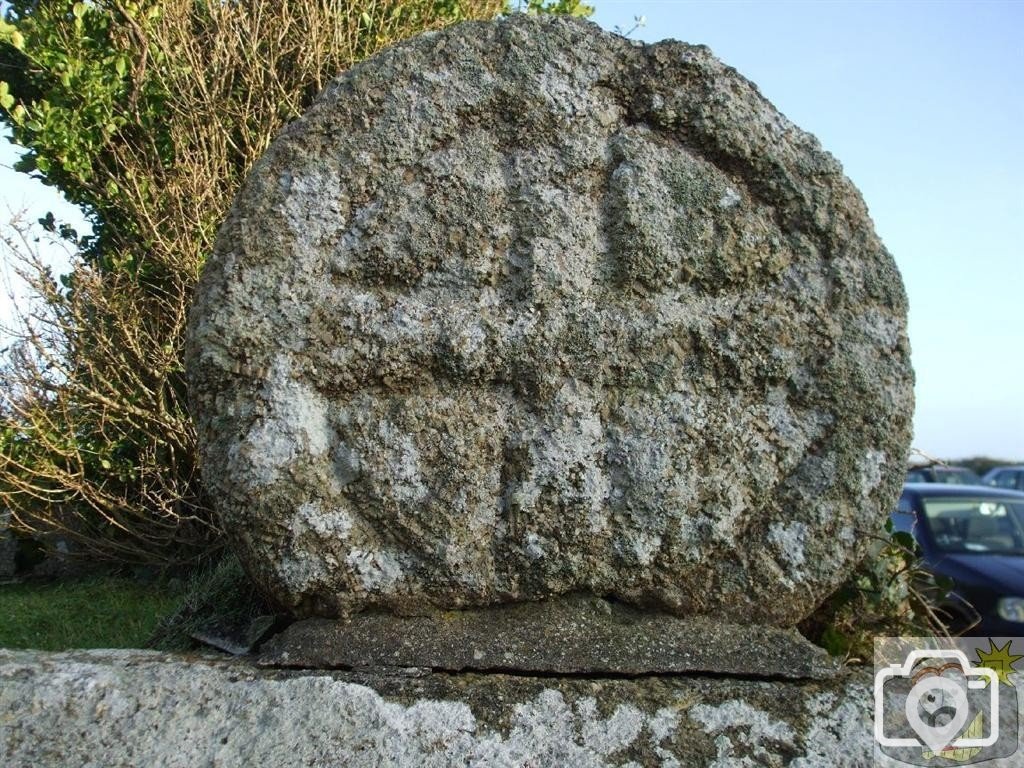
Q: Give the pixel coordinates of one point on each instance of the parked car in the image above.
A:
(975, 536)
(935, 473)
(1005, 477)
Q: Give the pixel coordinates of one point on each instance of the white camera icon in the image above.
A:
(932, 688)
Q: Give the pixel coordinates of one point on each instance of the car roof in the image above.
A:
(948, 490)
(1017, 467)
(941, 468)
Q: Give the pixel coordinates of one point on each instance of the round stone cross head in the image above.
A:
(525, 308)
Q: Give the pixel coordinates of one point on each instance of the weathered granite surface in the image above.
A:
(524, 308)
(114, 709)
(574, 635)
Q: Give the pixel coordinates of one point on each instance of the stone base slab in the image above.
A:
(140, 708)
(569, 635)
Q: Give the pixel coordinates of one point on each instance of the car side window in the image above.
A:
(1005, 480)
(916, 477)
(903, 518)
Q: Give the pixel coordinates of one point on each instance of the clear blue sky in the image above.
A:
(923, 103)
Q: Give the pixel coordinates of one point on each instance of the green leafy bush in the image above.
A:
(889, 594)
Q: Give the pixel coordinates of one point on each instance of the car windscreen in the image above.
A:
(976, 525)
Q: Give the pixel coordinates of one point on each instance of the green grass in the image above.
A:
(89, 612)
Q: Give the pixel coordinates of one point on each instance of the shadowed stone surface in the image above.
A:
(558, 636)
(115, 709)
(524, 308)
